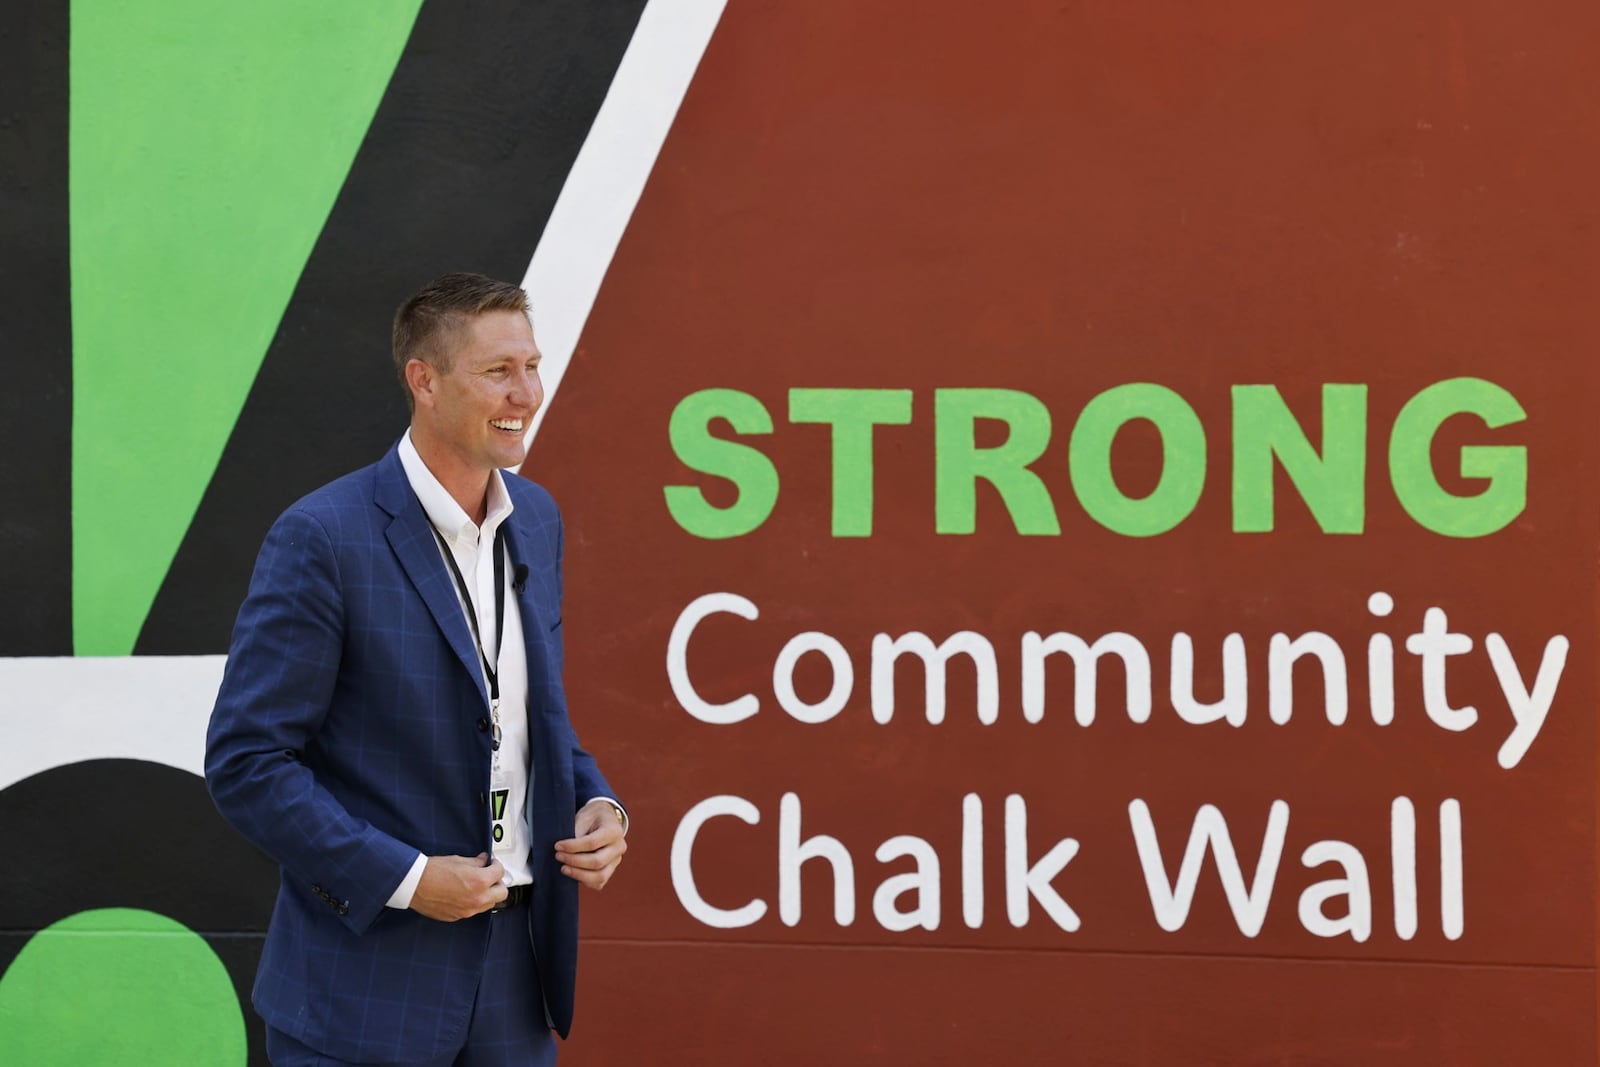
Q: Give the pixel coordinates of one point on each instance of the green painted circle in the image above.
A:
(119, 986)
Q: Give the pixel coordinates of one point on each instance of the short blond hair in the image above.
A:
(427, 323)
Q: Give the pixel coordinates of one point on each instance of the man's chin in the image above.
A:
(511, 458)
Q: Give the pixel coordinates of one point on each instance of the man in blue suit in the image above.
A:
(392, 727)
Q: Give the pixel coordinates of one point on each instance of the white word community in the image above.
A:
(912, 899)
(1434, 644)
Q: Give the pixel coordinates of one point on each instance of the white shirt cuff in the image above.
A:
(620, 808)
(401, 897)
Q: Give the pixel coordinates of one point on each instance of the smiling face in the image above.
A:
(473, 417)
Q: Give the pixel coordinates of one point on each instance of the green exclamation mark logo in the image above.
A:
(499, 811)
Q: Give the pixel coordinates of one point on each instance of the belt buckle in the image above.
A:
(515, 894)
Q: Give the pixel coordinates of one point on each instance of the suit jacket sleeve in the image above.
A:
(280, 678)
(588, 782)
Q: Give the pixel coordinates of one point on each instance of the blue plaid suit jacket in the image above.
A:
(350, 733)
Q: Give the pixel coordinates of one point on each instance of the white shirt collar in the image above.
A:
(441, 508)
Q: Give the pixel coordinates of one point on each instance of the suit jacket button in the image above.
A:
(483, 726)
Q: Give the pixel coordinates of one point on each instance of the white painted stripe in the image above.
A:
(60, 710)
(608, 177)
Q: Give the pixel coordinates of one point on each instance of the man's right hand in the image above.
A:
(458, 887)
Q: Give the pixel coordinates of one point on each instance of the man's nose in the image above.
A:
(526, 388)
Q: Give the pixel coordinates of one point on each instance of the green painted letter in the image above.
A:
(1505, 466)
(747, 468)
(959, 462)
(852, 413)
(1183, 459)
(1333, 485)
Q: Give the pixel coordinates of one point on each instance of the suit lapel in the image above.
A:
(411, 538)
(540, 802)
(533, 628)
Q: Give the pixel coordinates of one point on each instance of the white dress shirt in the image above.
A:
(471, 546)
(467, 544)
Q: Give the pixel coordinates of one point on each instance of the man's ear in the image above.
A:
(420, 379)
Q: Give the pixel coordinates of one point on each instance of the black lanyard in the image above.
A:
(490, 670)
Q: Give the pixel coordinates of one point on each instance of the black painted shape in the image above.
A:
(131, 834)
(460, 170)
(241, 955)
(36, 324)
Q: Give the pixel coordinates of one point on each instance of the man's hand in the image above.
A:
(592, 856)
(458, 887)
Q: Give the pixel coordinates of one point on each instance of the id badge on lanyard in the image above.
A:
(499, 780)
(500, 791)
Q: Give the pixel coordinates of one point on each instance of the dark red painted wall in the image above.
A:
(1060, 199)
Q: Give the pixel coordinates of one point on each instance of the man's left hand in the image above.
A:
(592, 856)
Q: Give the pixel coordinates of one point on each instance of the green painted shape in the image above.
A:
(208, 144)
(119, 986)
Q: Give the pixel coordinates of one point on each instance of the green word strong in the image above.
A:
(1330, 475)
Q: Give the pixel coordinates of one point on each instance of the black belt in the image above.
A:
(516, 896)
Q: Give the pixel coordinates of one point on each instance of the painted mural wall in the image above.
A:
(1080, 541)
